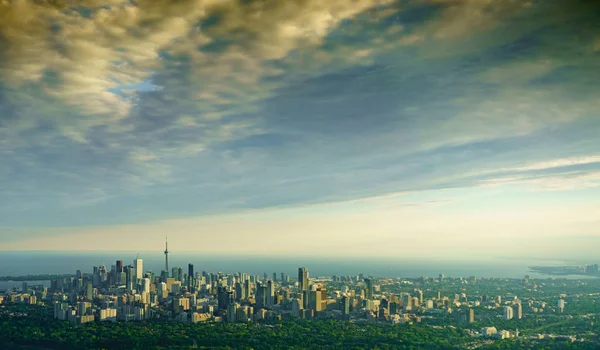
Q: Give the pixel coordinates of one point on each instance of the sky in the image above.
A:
(423, 128)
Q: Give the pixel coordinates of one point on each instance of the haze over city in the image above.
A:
(447, 128)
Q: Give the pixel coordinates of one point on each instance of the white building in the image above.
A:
(508, 313)
(138, 264)
(489, 331)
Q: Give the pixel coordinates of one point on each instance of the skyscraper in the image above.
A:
(470, 315)
(270, 293)
(368, 288)
(303, 278)
(261, 295)
(518, 311)
(190, 276)
(166, 255)
(345, 306)
(139, 268)
(508, 313)
(129, 277)
(315, 300)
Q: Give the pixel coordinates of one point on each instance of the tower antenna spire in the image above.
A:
(166, 254)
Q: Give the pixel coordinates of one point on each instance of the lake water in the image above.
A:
(24, 263)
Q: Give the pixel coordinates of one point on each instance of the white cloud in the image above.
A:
(555, 163)
(559, 182)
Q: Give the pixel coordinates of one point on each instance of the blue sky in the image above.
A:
(232, 121)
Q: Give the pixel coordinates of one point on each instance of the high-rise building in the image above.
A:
(296, 308)
(368, 288)
(315, 300)
(224, 298)
(190, 277)
(303, 278)
(145, 285)
(89, 290)
(139, 268)
(470, 316)
(518, 311)
(118, 271)
(270, 293)
(261, 295)
(246, 289)
(239, 292)
(129, 277)
(508, 313)
(561, 305)
(179, 275)
(345, 306)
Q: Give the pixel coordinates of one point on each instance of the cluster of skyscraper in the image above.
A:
(127, 292)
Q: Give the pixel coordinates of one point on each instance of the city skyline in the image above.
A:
(426, 128)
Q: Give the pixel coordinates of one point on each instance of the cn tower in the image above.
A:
(166, 255)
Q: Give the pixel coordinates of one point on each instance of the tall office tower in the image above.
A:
(174, 273)
(393, 308)
(145, 285)
(119, 266)
(407, 301)
(129, 277)
(345, 306)
(190, 277)
(261, 295)
(561, 305)
(282, 277)
(508, 313)
(222, 298)
(166, 255)
(368, 288)
(119, 271)
(315, 300)
(89, 290)
(270, 293)
(518, 311)
(139, 268)
(303, 278)
(470, 315)
(305, 297)
(179, 274)
(246, 289)
(239, 292)
(275, 276)
(231, 312)
(296, 308)
(265, 276)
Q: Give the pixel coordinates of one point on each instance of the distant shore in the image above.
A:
(563, 271)
(41, 277)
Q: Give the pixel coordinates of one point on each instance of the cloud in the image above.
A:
(555, 163)
(155, 109)
(463, 18)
